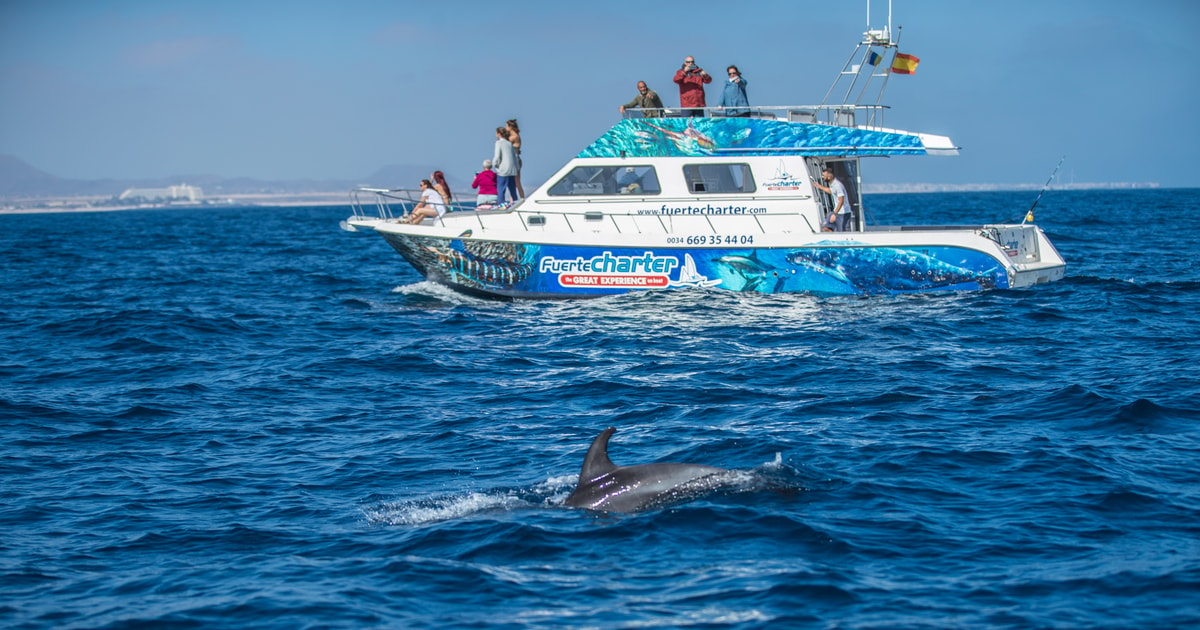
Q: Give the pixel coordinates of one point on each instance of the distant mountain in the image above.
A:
(20, 180)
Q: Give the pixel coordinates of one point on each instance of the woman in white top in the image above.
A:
(431, 204)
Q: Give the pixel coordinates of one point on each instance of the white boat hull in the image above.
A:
(880, 262)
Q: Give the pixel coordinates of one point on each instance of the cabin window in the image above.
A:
(608, 180)
(718, 178)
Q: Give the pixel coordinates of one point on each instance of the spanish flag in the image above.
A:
(905, 64)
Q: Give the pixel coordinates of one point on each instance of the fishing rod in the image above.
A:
(1029, 215)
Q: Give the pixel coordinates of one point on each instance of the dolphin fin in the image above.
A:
(597, 463)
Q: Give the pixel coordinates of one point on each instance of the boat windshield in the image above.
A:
(608, 180)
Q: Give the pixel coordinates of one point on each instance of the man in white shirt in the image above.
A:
(839, 217)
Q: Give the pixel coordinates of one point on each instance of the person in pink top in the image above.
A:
(485, 181)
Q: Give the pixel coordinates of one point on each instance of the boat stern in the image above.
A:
(1033, 259)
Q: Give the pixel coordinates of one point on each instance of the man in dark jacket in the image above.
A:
(647, 100)
(691, 79)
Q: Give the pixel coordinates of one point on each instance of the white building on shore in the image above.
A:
(182, 192)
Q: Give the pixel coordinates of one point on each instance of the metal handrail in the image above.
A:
(840, 115)
(408, 198)
(405, 198)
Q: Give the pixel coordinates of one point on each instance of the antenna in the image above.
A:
(864, 77)
(879, 37)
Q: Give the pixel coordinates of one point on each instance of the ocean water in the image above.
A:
(245, 417)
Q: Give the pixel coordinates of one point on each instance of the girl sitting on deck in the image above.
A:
(442, 188)
(431, 204)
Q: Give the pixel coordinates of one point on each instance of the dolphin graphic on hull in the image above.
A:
(607, 487)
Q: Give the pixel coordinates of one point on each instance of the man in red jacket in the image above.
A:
(691, 79)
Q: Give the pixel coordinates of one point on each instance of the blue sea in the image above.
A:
(247, 417)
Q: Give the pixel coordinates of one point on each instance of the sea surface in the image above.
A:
(247, 417)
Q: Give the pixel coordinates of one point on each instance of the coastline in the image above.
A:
(97, 204)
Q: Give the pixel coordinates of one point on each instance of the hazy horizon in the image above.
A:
(406, 172)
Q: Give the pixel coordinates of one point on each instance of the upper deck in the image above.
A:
(768, 131)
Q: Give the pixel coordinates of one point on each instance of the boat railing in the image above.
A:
(379, 200)
(392, 203)
(861, 116)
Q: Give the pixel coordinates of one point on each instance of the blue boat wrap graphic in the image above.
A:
(531, 270)
(690, 137)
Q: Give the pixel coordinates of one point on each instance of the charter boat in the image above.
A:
(663, 201)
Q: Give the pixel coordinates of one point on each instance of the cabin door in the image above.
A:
(845, 171)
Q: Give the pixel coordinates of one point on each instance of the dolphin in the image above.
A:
(611, 488)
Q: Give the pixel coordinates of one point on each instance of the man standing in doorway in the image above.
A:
(839, 217)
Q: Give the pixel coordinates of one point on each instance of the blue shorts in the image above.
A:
(839, 222)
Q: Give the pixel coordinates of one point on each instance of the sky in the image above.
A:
(338, 90)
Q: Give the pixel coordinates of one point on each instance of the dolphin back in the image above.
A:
(605, 486)
(596, 463)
